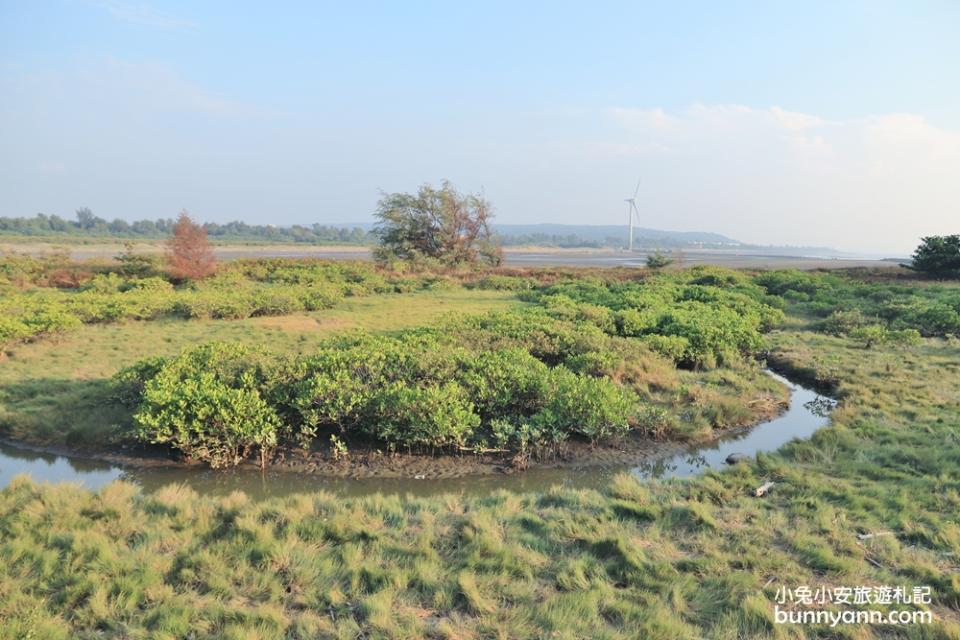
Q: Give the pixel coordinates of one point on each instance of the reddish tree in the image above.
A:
(189, 255)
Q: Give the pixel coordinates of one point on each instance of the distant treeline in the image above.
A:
(89, 225)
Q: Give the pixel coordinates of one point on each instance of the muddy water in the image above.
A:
(807, 413)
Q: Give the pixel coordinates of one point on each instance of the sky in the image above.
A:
(791, 123)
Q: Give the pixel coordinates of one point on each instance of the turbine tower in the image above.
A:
(633, 211)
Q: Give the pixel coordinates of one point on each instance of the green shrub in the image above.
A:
(506, 283)
(842, 322)
(425, 415)
(674, 347)
(129, 382)
(152, 284)
(13, 330)
(596, 408)
(906, 337)
(318, 297)
(505, 384)
(658, 260)
(49, 320)
(104, 283)
(935, 320)
(276, 302)
(209, 403)
(635, 322)
(870, 335)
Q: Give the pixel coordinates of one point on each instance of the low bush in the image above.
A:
(409, 391)
(595, 408)
(506, 283)
(210, 403)
(425, 415)
(700, 318)
(848, 303)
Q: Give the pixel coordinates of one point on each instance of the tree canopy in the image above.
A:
(938, 256)
(440, 224)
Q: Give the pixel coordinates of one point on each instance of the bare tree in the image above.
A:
(189, 255)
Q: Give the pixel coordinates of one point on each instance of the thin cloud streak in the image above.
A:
(143, 15)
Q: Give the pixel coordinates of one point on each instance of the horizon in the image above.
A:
(554, 229)
(822, 125)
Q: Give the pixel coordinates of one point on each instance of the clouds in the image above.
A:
(143, 14)
(876, 182)
(143, 139)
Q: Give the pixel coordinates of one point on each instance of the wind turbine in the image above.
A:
(633, 211)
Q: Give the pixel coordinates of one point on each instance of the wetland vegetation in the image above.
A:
(270, 355)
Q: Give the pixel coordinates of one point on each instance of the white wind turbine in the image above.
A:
(633, 211)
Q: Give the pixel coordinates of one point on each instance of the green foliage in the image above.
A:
(702, 317)
(245, 289)
(524, 379)
(129, 382)
(847, 303)
(416, 390)
(509, 383)
(872, 335)
(506, 283)
(658, 260)
(437, 415)
(209, 403)
(136, 265)
(842, 322)
(435, 224)
(592, 407)
(938, 256)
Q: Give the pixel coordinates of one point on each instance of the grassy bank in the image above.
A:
(680, 559)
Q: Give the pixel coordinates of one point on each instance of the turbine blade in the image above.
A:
(637, 190)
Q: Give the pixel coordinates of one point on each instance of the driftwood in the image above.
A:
(763, 489)
(867, 536)
(481, 451)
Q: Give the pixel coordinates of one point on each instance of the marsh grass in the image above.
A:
(672, 559)
(696, 558)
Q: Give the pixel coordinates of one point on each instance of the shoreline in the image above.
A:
(519, 256)
(369, 462)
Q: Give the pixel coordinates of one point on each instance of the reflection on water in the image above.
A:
(48, 467)
(808, 412)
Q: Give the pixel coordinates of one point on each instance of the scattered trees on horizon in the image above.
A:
(436, 224)
(88, 224)
(189, 254)
(938, 256)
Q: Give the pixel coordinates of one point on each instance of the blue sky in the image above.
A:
(775, 122)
